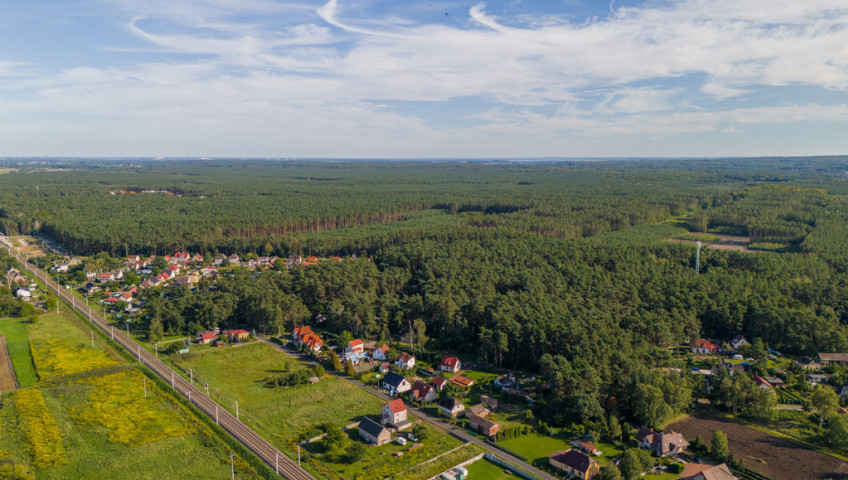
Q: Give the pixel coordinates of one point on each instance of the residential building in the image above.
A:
(705, 347)
(405, 361)
(585, 446)
(762, 383)
(395, 383)
(738, 341)
(483, 425)
(574, 463)
(505, 382)
(373, 432)
(450, 363)
(703, 471)
(451, 407)
(205, 338)
(395, 415)
(423, 392)
(478, 410)
(843, 392)
(237, 335)
(461, 381)
(381, 353)
(832, 358)
(663, 444)
(355, 347)
(439, 383)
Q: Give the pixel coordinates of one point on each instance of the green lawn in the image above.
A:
(280, 414)
(106, 426)
(534, 446)
(17, 343)
(485, 470)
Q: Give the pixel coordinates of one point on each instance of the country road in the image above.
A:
(432, 421)
(282, 464)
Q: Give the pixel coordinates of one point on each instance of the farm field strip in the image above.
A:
(17, 344)
(273, 457)
(8, 381)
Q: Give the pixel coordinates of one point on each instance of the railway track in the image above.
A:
(282, 464)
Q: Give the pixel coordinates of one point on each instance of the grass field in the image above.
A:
(91, 419)
(484, 469)
(281, 414)
(535, 446)
(17, 343)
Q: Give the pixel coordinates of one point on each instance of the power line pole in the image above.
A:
(232, 466)
(92, 339)
(236, 409)
(144, 381)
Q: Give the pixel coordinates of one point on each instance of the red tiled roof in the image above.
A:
(405, 358)
(439, 382)
(355, 343)
(397, 405)
(462, 381)
(450, 361)
(207, 335)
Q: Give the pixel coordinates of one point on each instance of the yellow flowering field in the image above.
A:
(42, 431)
(118, 403)
(54, 358)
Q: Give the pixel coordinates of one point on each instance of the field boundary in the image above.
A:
(8, 380)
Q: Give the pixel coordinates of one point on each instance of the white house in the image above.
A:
(381, 353)
(405, 361)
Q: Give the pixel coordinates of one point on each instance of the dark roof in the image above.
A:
(371, 427)
(573, 459)
(449, 402)
(393, 379)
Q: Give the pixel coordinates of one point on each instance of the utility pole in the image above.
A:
(236, 409)
(111, 329)
(92, 339)
(276, 463)
(172, 379)
(216, 414)
(138, 350)
(156, 346)
(191, 375)
(144, 381)
(298, 454)
(232, 466)
(207, 392)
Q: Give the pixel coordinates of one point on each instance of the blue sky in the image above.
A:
(413, 79)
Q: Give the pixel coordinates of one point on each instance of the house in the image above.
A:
(489, 402)
(450, 363)
(762, 383)
(205, 338)
(451, 407)
(738, 341)
(505, 382)
(585, 446)
(843, 392)
(483, 425)
(394, 415)
(461, 381)
(23, 293)
(574, 463)
(705, 347)
(816, 378)
(395, 383)
(439, 383)
(293, 260)
(405, 361)
(304, 335)
(663, 444)
(373, 432)
(106, 277)
(237, 335)
(842, 411)
(423, 392)
(807, 364)
(381, 353)
(13, 276)
(234, 259)
(300, 331)
(732, 368)
(355, 347)
(208, 271)
(478, 410)
(775, 382)
(703, 471)
(219, 259)
(832, 358)
(384, 367)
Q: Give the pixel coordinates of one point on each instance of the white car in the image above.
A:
(401, 441)
(412, 437)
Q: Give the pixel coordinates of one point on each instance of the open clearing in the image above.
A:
(725, 242)
(771, 456)
(8, 382)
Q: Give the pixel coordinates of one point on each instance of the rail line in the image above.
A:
(282, 464)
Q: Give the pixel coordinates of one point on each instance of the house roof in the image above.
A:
(396, 406)
(393, 379)
(477, 410)
(419, 388)
(462, 381)
(574, 459)
(240, 332)
(355, 343)
(450, 403)
(439, 382)
(706, 472)
(371, 427)
(760, 381)
(450, 361)
(383, 348)
(833, 357)
(483, 423)
(405, 358)
(302, 330)
(207, 335)
(643, 433)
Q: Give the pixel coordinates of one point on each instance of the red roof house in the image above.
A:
(450, 363)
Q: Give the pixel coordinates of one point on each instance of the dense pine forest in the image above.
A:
(562, 268)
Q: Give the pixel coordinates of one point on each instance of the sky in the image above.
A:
(423, 79)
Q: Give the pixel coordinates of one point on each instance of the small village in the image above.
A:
(440, 389)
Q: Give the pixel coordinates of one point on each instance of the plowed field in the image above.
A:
(8, 381)
(771, 456)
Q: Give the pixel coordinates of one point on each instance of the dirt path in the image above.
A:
(8, 381)
(771, 456)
